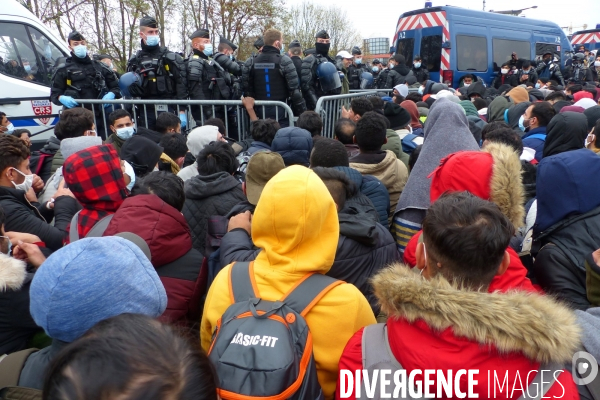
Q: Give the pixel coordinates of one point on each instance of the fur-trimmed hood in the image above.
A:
(12, 273)
(493, 174)
(541, 328)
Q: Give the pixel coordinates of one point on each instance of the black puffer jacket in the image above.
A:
(400, 74)
(206, 196)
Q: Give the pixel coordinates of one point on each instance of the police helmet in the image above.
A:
(366, 80)
(126, 80)
(578, 57)
(328, 75)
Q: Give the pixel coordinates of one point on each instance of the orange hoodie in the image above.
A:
(296, 225)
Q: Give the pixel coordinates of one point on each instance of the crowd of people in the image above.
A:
(440, 229)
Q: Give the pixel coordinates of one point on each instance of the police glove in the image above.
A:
(108, 96)
(183, 119)
(136, 90)
(68, 101)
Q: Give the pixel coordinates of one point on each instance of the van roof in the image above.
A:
(586, 31)
(465, 12)
(14, 8)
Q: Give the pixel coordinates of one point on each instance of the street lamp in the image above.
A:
(513, 12)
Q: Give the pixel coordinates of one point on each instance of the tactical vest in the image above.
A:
(210, 77)
(354, 73)
(84, 80)
(157, 79)
(269, 82)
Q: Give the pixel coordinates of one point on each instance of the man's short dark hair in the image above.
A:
(311, 121)
(399, 58)
(575, 88)
(544, 112)
(264, 130)
(470, 76)
(544, 80)
(414, 97)
(492, 126)
(526, 64)
(174, 145)
(216, 157)
(223, 46)
(479, 103)
(339, 185)
(370, 131)
(377, 102)
(344, 130)
(167, 186)
(556, 96)
(118, 114)
(328, 153)
(12, 152)
(73, 123)
(166, 121)
(218, 123)
(508, 137)
(467, 236)
(591, 90)
(18, 132)
(361, 105)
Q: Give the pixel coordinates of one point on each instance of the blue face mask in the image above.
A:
(152, 40)
(80, 51)
(358, 61)
(231, 57)
(27, 68)
(125, 133)
(10, 128)
(417, 65)
(537, 85)
(421, 90)
(208, 49)
(521, 126)
(375, 69)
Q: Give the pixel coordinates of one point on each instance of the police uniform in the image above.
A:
(272, 76)
(226, 62)
(355, 71)
(163, 76)
(296, 59)
(310, 82)
(84, 78)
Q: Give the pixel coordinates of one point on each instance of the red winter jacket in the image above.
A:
(168, 236)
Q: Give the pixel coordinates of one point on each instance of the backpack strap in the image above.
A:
(306, 293)
(242, 286)
(12, 365)
(73, 233)
(376, 347)
(100, 227)
(539, 386)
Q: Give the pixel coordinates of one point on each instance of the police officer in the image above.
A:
(327, 81)
(207, 80)
(225, 57)
(258, 44)
(162, 73)
(580, 73)
(80, 77)
(356, 69)
(108, 61)
(272, 76)
(295, 51)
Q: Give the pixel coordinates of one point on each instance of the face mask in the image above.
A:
(375, 69)
(596, 63)
(125, 133)
(417, 65)
(504, 71)
(27, 183)
(10, 128)
(208, 49)
(521, 123)
(526, 72)
(358, 61)
(322, 48)
(80, 51)
(129, 172)
(152, 40)
(537, 85)
(27, 68)
(466, 85)
(421, 90)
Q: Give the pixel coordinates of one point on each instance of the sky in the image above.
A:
(378, 19)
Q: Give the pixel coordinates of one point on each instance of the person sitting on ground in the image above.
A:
(263, 132)
(358, 107)
(343, 131)
(296, 225)
(122, 127)
(214, 191)
(535, 120)
(166, 122)
(154, 214)
(294, 144)
(24, 135)
(17, 197)
(448, 310)
(118, 278)
(174, 152)
(370, 135)
(197, 139)
(139, 355)
(311, 121)
(399, 120)
(566, 131)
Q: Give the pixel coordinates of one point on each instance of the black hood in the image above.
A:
(202, 187)
(149, 134)
(358, 226)
(401, 69)
(143, 154)
(476, 88)
(565, 132)
(51, 146)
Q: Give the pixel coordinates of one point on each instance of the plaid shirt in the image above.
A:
(95, 177)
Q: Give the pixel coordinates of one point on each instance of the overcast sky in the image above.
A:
(378, 19)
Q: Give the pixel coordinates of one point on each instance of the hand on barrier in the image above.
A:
(183, 119)
(108, 96)
(68, 101)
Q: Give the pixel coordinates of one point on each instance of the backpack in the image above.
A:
(10, 371)
(377, 355)
(408, 144)
(263, 349)
(96, 231)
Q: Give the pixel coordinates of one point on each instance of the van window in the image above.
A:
(25, 53)
(431, 52)
(542, 48)
(406, 48)
(471, 53)
(503, 49)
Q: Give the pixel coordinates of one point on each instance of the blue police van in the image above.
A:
(589, 38)
(453, 41)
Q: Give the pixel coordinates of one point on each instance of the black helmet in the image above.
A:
(578, 57)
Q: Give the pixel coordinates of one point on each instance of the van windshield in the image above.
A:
(471, 53)
(406, 48)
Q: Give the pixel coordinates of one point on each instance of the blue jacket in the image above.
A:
(257, 146)
(534, 143)
(294, 144)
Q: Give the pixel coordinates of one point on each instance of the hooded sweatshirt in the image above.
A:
(565, 132)
(446, 131)
(518, 95)
(434, 325)
(415, 122)
(294, 145)
(84, 283)
(196, 141)
(296, 225)
(142, 153)
(514, 114)
(95, 177)
(497, 108)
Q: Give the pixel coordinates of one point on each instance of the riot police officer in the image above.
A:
(80, 77)
(319, 81)
(225, 57)
(162, 73)
(258, 44)
(356, 69)
(207, 80)
(579, 72)
(272, 76)
(294, 51)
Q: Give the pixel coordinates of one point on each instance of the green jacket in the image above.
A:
(116, 141)
(57, 161)
(395, 144)
(345, 81)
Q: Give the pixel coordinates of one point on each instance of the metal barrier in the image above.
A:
(232, 112)
(371, 90)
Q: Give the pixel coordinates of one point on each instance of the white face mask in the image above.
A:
(129, 172)
(27, 183)
(504, 71)
(596, 63)
(466, 84)
(126, 132)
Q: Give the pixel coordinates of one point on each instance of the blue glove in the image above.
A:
(183, 119)
(108, 96)
(68, 101)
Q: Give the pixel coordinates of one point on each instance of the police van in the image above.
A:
(453, 41)
(589, 38)
(28, 54)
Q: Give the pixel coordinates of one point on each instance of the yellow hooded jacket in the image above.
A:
(296, 225)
